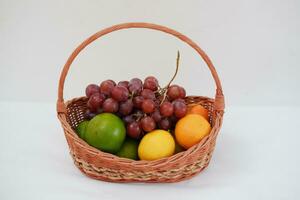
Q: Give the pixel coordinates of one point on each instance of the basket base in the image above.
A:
(92, 175)
(101, 174)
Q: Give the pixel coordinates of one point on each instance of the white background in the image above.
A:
(254, 45)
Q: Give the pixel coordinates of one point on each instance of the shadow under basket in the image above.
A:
(108, 167)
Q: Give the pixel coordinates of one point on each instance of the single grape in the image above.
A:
(134, 130)
(165, 124)
(137, 101)
(135, 86)
(148, 106)
(180, 108)
(91, 89)
(126, 107)
(174, 92)
(182, 93)
(107, 86)
(148, 124)
(151, 83)
(148, 94)
(124, 84)
(119, 93)
(156, 115)
(95, 101)
(110, 105)
(136, 80)
(166, 109)
(128, 119)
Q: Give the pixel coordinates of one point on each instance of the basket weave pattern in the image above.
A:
(104, 166)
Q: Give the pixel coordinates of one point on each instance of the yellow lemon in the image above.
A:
(155, 145)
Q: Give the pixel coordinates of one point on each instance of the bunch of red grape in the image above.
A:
(142, 106)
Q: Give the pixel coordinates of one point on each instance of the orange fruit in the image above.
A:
(200, 110)
(191, 129)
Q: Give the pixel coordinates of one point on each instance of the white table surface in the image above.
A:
(256, 157)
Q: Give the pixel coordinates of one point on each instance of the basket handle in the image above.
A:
(219, 97)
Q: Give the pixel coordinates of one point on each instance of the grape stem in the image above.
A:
(131, 95)
(165, 89)
(138, 116)
(177, 66)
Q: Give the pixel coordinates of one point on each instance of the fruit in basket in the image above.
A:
(91, 89)
(155, 145)
(134, 130)
(81, 128)
(165, 124)
(148, 94)
(110, 105)
(135, 86)
(143, 106)
(173, 92)
(148, 106)
(176, 92)
(166, 109)
(129, 149)
(180, 108)
(191, 129)
(95, 101)
(107, 86)
(156, 116)
(148, 124)
(151, 83)
(138, 101)
(200, 110)
(106, 132)
(126, 107)
(119, 93)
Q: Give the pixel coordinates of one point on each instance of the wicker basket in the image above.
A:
(107, 167)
